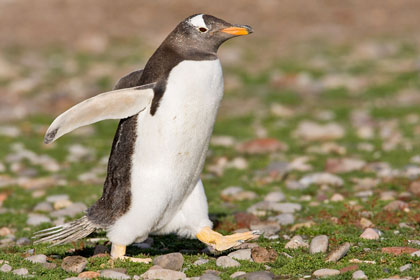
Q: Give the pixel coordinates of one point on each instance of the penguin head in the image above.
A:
(201, 32)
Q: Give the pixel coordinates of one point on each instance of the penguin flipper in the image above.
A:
(116, 104)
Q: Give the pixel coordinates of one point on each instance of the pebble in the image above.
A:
(20, 271)
(5, 268)
(406, 267)
(261, 146)
(74, 264)
(343, 165)
(43, 206)
(37, 219)
(37, 258)
(311, 131)
(359, 274)
(225, 261)
(274, 197)
(243, 254)
(89, 275)
(370, 234)
(201, 262)
(209, 276)
(325, 272)
(338, 253)
(263, 255)
(296, 242)
(110, 273)
(287, 207)
(283, 219)
(57, 197)
(156, 272)
(415, 188)
(322, 178)
(396, 205)
(365, 223)
(237, 274)
(415, 254)
(173, 261)
(319, 244)
(235, 193)
(223, 141)
(62, 204)
(267, 228)
(71, 210)
(257, 275)
(337, 197)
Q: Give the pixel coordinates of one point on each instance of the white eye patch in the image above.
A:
(198, 21)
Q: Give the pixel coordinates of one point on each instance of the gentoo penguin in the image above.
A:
(167, 114)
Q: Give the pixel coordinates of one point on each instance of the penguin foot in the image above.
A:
(222, 243)
(118, 252)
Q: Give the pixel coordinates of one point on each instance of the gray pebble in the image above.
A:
(23, 241)
(37, 219)
(296, 242)
(74, 264)
(406, 267)
(267, 228)
(325, 272)
(243, 254)
(237, 274)
(5, 268)
(201, 262)
(43, 206)
(274, 196)
(340, 252)
(319, 244)
(172, 261)
(109, 273)
(71, 210)
(283, 219)
(225, 261)
(20, 271)
(57, 197)
(416, 254)
(37, 258)
(359, 274)
(257, 275)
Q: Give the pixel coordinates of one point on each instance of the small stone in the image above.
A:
(156, 272)
(43, 206)
(287, 207)
(337, 197)
(343, 165)
(209, 276)
(100, 249)
(307, 224)
(415, 188)
(60, 204)
(415, 254)
(48, 265)
(37, 258)
(201, 262)
(71, 211)
(257, 275)
(365, 223)
(261, 146)
(23, 241)
(89, 275)
(283, 219)
(74, 264)
(20, 271)
(237, 194)
(243, 254)
(113, 274)
(263, 255)
(388, 195)
(172, 261)
(5, 268)
(5, 231)
(338, 253)
(223, 141)
(274, 197)
(398, 250)
(321, 179)
(319, 244)
(325, 272)
(349, 268)
(296, 242)
(225, 261)
(311, 131)
(267, 228)
(37, 219)
(57, 197)
(370, 234)
(396, 205)
(406, 267)
(359, 274)
(237, 274)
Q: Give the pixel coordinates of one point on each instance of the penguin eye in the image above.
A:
(202, 29)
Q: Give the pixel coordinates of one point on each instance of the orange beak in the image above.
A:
(237, 31)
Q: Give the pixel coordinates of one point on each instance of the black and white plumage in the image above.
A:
(167, 114)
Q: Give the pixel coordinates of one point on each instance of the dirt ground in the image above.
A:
(277, 23)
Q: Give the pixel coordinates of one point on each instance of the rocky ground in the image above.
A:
(319, 150)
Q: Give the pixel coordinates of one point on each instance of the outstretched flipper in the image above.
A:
(116, 104)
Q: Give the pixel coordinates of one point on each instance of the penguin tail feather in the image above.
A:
(66, 233)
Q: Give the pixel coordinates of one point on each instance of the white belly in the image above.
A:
(171, 145)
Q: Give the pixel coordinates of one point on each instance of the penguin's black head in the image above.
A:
(205, 33)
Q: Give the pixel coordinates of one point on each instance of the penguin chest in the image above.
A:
(172, 142)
